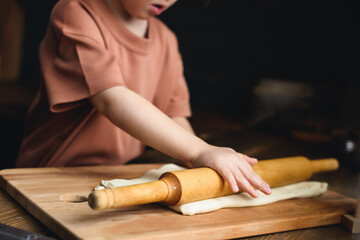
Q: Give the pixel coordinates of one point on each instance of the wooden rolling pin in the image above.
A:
(190, 185)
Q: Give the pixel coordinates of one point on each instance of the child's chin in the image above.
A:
(143, 16)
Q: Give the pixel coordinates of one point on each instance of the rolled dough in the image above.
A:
(297, 190)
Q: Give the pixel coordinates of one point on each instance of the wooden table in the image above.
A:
(344, 181)
(14, 215)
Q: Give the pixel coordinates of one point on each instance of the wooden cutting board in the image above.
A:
(46, 194)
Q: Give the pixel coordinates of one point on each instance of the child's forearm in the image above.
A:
(138, 117)
(184, 123)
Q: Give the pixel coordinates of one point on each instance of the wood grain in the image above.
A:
(14, 215)
(39, 191)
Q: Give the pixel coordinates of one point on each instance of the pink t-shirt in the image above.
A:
(86, 50)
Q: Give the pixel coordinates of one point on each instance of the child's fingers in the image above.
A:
(230, 179)
(255, 180)
(250, 160)
(244, 184)
(260, 184)
(236, 179)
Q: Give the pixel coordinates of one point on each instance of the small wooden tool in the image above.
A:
(190, 185)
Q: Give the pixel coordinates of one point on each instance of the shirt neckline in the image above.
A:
(132, 41)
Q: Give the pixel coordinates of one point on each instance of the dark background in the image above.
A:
(231, 46)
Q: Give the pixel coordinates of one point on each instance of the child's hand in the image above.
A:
(234, 167)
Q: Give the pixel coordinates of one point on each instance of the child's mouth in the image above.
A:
(156, 9)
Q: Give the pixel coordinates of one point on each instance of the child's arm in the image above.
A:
(135, 115)
(183, 122)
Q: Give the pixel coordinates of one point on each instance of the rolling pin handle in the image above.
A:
(323, 165)
(150, 192)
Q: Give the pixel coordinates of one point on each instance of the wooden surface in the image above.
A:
(40, 190)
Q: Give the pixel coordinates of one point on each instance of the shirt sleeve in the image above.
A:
(75, 61)
(179, 103)
(180, 99)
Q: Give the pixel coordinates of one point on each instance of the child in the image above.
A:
(113, 83)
